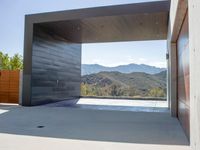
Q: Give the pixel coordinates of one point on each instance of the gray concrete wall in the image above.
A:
(178, 10)
(56, 67)
(172, 79)
(178, 7)
(175, 21)
(194, 47)
(176, 16)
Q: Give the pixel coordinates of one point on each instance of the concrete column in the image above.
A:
(28, 38)
(168, 80)
(194, 47)
(172, 79)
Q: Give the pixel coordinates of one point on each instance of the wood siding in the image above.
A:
(56, 68)
(184, 77)
(9, 86)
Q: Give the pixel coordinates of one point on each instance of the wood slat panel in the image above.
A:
(184, 78)
(184, 118)
(4, 97)
(13, 97)
(9, 86)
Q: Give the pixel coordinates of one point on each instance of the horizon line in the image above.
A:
(123, 65)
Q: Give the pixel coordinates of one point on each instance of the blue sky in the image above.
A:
(119, 53)
(12, 33)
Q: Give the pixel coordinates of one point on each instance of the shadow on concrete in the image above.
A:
(94, 125)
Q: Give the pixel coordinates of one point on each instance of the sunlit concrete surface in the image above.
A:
(45, 127)
(115, 104)
(21, 142)
(3, 111)
(4, 107)
(123, 102)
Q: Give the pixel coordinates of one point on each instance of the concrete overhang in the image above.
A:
(52, 43)
(131, 22)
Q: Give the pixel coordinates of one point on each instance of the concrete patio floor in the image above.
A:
(45, 127)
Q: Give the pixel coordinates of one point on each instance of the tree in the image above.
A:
(11, 63)
(4, 61)
(156, 92)
(132, 91)
(116, 90)
(84, 89)
(16, 62)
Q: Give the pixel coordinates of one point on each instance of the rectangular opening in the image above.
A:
(124, 71)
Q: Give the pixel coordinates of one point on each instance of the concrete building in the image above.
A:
(52, 51)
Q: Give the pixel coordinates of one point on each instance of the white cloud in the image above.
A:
(123, 61)
(161, 64)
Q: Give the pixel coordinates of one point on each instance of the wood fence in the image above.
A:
(9, 86)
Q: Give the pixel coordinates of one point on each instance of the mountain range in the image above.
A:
(125, 84)
(96, 68)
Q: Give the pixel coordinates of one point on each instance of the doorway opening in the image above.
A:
(124, 74)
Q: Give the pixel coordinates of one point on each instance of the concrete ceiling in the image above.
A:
(144, 21)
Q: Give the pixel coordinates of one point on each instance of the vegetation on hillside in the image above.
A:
(115, 84)
(10, 63)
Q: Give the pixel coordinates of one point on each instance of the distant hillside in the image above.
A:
(95, 68)
(162, 75)
(130, 84)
